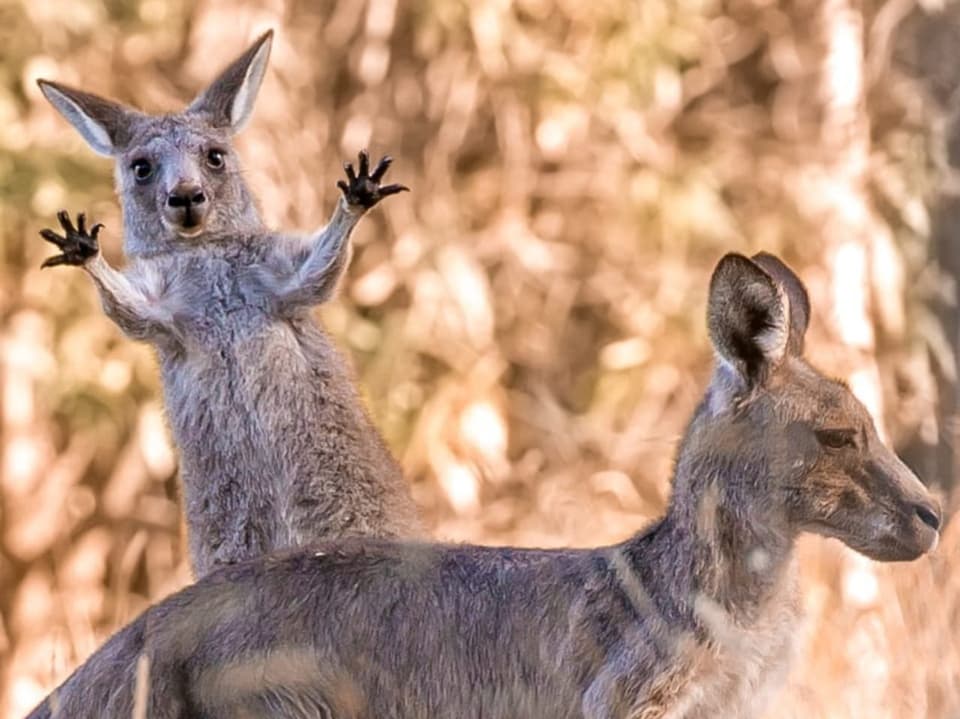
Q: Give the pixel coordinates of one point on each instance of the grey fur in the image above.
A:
(692, 617)
(276, 448)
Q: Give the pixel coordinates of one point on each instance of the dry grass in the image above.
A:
(527, 324)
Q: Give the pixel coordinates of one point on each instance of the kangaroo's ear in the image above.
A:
(104, 124)
(747, 316)
(228, 101)
(796, 293)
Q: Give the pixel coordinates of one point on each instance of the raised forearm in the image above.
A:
(318, 267)
(324, 258)
(134, 306)
(138, 314)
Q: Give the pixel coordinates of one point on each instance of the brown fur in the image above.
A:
(693, 617)
(276, 447)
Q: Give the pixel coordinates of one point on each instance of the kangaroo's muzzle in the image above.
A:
(186, 209)
(914, 527)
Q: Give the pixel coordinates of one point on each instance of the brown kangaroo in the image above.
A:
(692, 617)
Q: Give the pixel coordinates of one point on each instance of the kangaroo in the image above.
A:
(276, 448)
(692, 617)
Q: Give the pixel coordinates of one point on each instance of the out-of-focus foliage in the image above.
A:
(527, 324)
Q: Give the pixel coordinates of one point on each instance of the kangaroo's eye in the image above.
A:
(215, 159)
(142, 169)
(837, 438)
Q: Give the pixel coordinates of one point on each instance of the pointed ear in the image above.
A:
(797, 294)
(104, 124)
(747, 316)
(228, 101)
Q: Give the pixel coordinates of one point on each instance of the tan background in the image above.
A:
(527, 324)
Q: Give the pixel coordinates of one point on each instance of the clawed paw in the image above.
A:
(363, 187)
(77, 245)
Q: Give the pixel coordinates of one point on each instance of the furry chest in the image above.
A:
(742, 668)
(254, 385)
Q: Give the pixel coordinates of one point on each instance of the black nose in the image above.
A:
(928, 515)
(183, 196)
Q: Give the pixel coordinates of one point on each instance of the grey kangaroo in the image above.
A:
(276, 448)
(692, 617)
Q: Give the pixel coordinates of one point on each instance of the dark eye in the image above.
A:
(215, 159)
(142, 169)
(837, 438)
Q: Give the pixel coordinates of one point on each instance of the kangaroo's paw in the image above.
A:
(77, 245)
(363, 187)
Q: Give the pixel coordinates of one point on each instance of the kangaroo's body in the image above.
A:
(693, 617)
(570, 634)
(276, 448)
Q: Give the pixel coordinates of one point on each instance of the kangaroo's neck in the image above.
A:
(722, 544)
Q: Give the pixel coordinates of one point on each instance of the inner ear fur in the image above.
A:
(228, 100)
(747, 318)
(797, 294)
(104, 124)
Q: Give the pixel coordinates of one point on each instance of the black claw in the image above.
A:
(76, 245)
(53, 237)
(54, 261)
(380, 170)
(363, 187)
(64, 220)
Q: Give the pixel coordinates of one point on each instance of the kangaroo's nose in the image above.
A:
(186, 196)
(929, 515)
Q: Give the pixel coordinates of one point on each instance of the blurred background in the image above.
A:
(527, 324)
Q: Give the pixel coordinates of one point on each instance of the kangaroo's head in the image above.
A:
(177, 175)
(800, 445)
